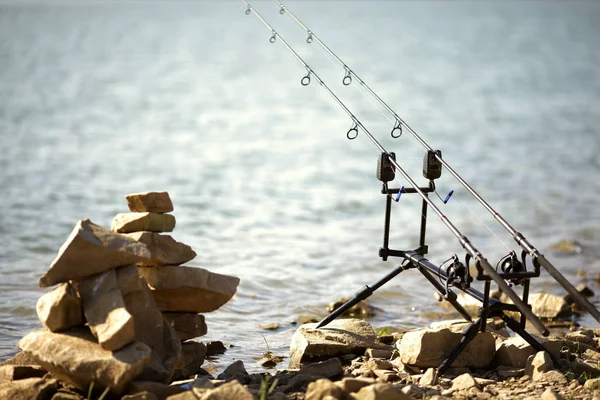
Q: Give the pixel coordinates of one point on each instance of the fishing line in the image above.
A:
(330, 56)
(399, 126)
(353, 133)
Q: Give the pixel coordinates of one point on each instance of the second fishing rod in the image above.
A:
(353, 133)
(397, 130)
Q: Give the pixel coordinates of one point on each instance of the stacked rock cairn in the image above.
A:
(125, 310)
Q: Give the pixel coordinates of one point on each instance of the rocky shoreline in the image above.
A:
(124, 318)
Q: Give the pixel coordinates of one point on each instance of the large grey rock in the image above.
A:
(164, 250)
(341, 336)
(105, 311)
(29, 389)
(150, 326)
(187, 289)
(74, 356)
(142, 221)
(91, 249)
(187, 325)
(60, 308)
(429, 347)
(157, 202)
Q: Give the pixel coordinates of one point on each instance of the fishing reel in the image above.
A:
(455, 273)
(511, 265)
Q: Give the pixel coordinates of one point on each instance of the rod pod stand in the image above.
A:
(436, 274)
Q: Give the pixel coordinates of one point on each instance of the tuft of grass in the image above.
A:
(91, 389)
(265, 388)
(267, 354)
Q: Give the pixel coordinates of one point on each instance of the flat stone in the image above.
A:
(187, 325)
(339, 337)
(105, 311)
(380, 353)
(187, 289)
(29, 388)
(21, 358)
(60, 308)
(89, 363)
(429, 347)
(164, 250)
(157, 202)
(142, 221)
(150, 326)
(91, 249)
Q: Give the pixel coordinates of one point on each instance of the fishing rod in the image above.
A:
(397, 132)
(353, 133)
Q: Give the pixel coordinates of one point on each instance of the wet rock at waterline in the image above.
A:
(187, 289)
(87, 361)
(91, 249)
(193, 354)
(142, 221)
(164, 250)
(341, 336)
(156, 202)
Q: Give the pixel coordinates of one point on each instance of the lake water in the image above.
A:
(102, 99)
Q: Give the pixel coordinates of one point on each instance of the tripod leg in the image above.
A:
(516, 327)
(469, 334)
(365, 292)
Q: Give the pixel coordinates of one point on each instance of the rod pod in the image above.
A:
(353, 132)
